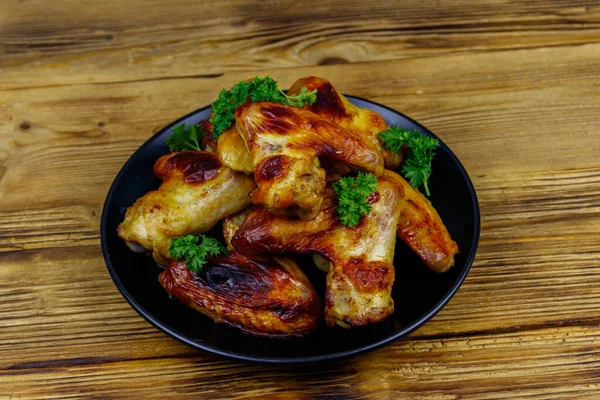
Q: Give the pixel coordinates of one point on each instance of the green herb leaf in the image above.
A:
(352, 194)
(257, 89)
(417, 165)
(303, 98)
(194, 249)
(185, 137)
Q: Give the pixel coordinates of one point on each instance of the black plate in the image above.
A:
(418, 292)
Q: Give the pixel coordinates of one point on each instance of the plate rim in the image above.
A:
(291, 360)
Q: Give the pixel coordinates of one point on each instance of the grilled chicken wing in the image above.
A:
(359, 283)
(265, 297)
(421, 227)
(334, 107)
(284, 143)
(197, 191)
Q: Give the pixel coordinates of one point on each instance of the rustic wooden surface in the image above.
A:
(513, 87)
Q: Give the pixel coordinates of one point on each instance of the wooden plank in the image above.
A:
(62, 146)
(536, 281)
(510, 86)
(80, 135)
(542, 207)
(50, 227)
(61, 304)
(562, 361)
(539, 271)
(91, 41)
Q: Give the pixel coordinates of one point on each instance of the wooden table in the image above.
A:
(513, 87)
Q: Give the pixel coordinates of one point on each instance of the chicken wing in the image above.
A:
(284, 143)
(265, 297)
(359, 283)
(421, 227)
(197, 191)
(334, 107)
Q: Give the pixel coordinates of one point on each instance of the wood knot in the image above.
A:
(333, 61)
(239, 23)
(25, 125)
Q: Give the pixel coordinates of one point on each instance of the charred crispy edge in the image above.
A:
(272, 168)
(328, 102)
(195, 166)
(232, 223)
(275, 118)
(177, 271)
(241, 110)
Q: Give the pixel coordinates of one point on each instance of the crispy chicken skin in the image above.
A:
(261, 296)
(197, 191)
(231, 224)
(333, 106)
(233, 152)
(421, 227)
(359, 283)
(284, 143)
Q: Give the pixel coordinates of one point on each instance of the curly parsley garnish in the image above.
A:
(194, 249)
(352, 194)
(257, 89)
(417, 165)
(185, 137)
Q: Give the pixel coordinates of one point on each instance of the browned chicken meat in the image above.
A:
(197, 191)
(231, 224)
(421, 227)
(359, 283)
(333, 106)
(208, 141)
(265, 297)
(284, 143)
(233, 152)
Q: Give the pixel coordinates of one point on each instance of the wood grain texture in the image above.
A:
(41, 127)
(511, 86)
(90, 41)
(434, 369)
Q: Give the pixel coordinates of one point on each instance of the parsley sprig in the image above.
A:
(417, 165)
(352, 194)
(194, 249)
(185, 137)
(260, 88)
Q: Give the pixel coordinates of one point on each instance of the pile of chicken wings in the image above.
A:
(268, 180)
